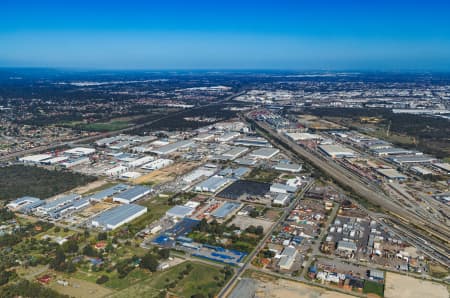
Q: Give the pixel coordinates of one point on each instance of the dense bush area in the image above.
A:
(18, 180)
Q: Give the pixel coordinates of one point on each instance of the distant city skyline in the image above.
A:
(284, 35)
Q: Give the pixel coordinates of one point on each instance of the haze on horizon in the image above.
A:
(291, 35)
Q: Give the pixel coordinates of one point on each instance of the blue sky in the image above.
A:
(315, 34)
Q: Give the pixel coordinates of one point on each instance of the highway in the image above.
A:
(343, 177)
(230, 285)
(107, 134)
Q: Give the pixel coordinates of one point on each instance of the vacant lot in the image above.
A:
(244, 222)
(270, 287)
(17, 181)
(203, 279)
(80, 288)
(263, 175)
(402, 286)
(167, 174)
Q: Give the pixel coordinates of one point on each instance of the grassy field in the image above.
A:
(112, 125)
(203, 279)
(262, 175)
(374, 288)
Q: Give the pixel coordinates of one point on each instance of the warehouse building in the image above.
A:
(54, 160)
(117, 216)
(211, 184)
(157, 164)
(288, 167)
(198, 173)
(140, 161)
(445, 167)
(234, 153)
(303, 136)
(225, 210)
(252, 142)
(337, 151)
(393, 151)
(35, 159)
(79, 151)
(53, 205)
(287, 257)
(180, 211)
(25, 204)
(116, 171)
(228, 136)
(171, 148)
(391, 174)
(281, 199)
(107, 193)
(75, 162)
(132, 194)
(264, 153)
(282, 188)
(407, 160)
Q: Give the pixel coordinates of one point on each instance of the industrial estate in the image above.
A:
(218, 189)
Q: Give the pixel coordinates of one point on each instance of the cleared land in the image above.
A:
(271, 287)
(80, 288)
(402, 286)
(244, 222)
(201, 280)
(167, 174)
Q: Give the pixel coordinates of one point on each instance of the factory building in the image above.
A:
(35, 159)
(228, 136)
(393, 151)
(132, 194)
(157, 164)
(287, 257)
(117, 216)
(264, 153)
(407, 160)
(54, 160)
(211, 184)
(252, 142)
(445, 167)
(75, 162)
(288, 167)
(225, 210)
(180, 211)
(55, 207)
(171, 148)
(197, 174)
(303, 136)
(337, 151)
(107, 193)
(116, 171)
(79, 151)
(281, 199)
(282, 188)
(234, 153)
(140, 161)
(391, 174)
(25, 204)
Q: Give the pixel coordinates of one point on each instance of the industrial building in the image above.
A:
(79, 151)
(303, 136)
(264, 153)
(236, 173)
(288, 167)
(337, 151)
(198, 173)
(75, 162)
(234, 153)
(287, 257)
(445, 167)
(35, 159)
(180, 211)
(117, 216)
(393, 151)
(281, 199)
(57, 203)
(252, 142)
(225, 210)
(228, 136)
(107, 193)
(211, 184)
(132, 194)
(140, 161)
(391, 174)
(282, 188)
(116, 171)
(171, 148)
(54, 160)
(157, 164)
(407, 160)
(25, 204)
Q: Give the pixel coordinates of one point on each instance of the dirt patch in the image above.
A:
(167, 174)
(88, 187)
(402, 286)
(80, 288)
(244, 222)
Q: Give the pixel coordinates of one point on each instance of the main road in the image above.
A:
(229, 286)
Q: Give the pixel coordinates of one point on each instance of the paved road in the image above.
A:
(229, 286)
